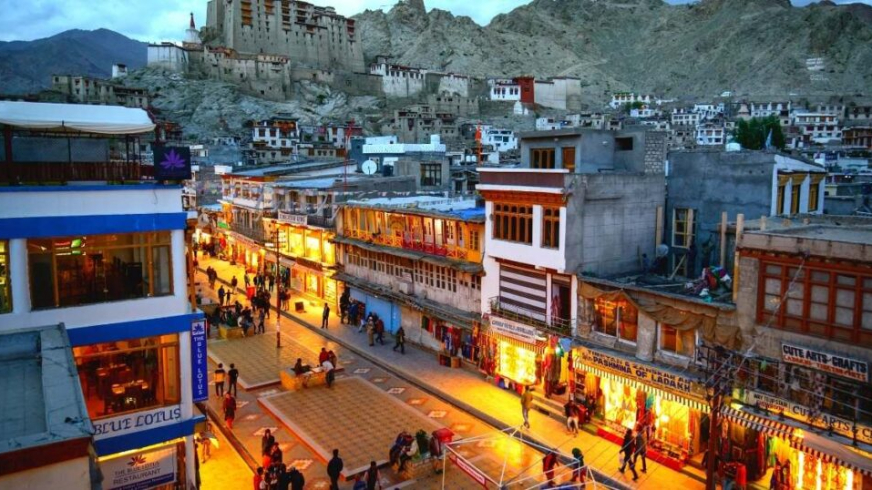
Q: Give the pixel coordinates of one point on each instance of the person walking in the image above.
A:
(380, 331)
(266, 442)
(571, 410)
(261, 321)
(370, 332)
(628, 447)
(325, 316)
(221, 297)
(334, 470)
(229, 409)
(272, 282)
(331, 371)
(372, 477)
(400, 340)
(232, 378)
(219, 377)
(343, 306)
(246, 280)
(233, 284)
(526, 405)
(579, 471)
(641, 450)
(549, 463)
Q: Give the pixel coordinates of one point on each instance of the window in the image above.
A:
(5, 287)
(569, 158)
(551, 227)
(779, 202)
(129, 375)
(813, 193)
(682, 227)
(513, 223)
(474, 240)
(616, 318)
(542, 158)
(681, 343)
(624, 144)
(816, 300)
(794, 198)
(431, 174)
(75, 271)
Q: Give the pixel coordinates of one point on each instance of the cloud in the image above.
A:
(159, 20)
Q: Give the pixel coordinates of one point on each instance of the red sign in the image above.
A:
(467, 468)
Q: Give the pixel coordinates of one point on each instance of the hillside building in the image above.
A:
(818, 127)
(556, 93)
(90, 90)
(710, 134)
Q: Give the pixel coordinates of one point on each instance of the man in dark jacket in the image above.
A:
(400, 337)
(334, 470)
(628, 448)
(296, 479)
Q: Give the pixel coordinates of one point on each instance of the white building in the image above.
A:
(502, 140)
(820, 127)
(709, 111)
(504, 90)
(766, 109)
(710, 134)
(398, 80)
(169, 56)
(108, 262)
(622, 98)
(682, 117)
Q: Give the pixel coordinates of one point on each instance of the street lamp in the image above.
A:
(278, 290)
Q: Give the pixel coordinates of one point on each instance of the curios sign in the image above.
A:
(828, 363)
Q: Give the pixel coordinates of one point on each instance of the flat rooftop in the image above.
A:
(35, 362)
(466, 209)
(859, 235)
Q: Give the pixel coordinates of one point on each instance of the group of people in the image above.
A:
(229, 402)
(575, 465)
(274, 474)
(634, 447)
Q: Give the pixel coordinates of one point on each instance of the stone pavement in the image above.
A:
(260, 362)
(469, 392)
(224, 468)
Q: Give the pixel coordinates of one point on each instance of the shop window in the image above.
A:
(129, 375)
(431, 174)
(550, 227)
(75, 271)
(513, 222)
(5, 287)
(542, 158)
(838, 303)
(617, 319)
(677, 342)
(682, 227)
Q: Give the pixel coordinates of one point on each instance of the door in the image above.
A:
(569, 158)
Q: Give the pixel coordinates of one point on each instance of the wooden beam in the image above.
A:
(723, 239)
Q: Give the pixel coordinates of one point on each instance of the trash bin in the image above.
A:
(444, 435)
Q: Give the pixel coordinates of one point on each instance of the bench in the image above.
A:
(292, 382)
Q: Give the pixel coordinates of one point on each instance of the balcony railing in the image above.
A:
(555, 325)
(412, 243)
(47, 172)
(256, 233)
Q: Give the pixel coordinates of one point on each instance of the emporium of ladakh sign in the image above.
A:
(140, 470)
(829, 363)
(800, 412)
(639, 372)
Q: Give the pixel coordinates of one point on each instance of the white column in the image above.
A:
(190, 464)
(187, 403)
(573, 301)
(180, 267)
(18, 276)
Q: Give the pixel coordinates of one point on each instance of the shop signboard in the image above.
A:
(467, 468)
(650, 375)
(801, 413)
(829, 363)
(293, 219)
(140, 470)
(513, 329)
(172, 162)
(136, 422)
(199, 365)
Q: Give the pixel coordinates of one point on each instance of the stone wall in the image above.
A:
(655, 152)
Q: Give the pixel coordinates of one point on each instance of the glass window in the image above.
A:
(83, 270)
(682, 227)
(5, 287)
(677, 342)
(513, 223)
(551, 227)
(616, 318)
(431, 174)
(542, 158)
(129, 375)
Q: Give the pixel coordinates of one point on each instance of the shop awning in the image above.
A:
(98, 119)
(666, 395)
(833, 452)
(538, 348)
(756, 422)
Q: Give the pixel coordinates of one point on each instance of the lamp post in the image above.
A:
(278, 290)
(715, 400)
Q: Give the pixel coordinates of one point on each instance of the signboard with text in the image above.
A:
(650, 375)
(799, 412)
(293, 219)
(828, 363)
(469, 469)
(172, 162)
(140, 470)
(199, 364)
(513, 329)
(136, 422)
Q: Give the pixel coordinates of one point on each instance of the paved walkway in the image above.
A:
(467, 391)
(224, 468)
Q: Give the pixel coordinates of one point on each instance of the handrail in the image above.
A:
(558, 326)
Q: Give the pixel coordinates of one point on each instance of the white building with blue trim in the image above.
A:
(89, 242)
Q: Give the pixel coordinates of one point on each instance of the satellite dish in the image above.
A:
(369, 167)
(662, 250)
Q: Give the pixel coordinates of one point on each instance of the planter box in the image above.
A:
(292, 382)
(226, 332)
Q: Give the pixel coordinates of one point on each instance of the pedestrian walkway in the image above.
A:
(222, 467)
(468, 391)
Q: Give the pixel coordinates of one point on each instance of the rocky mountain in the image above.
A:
(749, 47)
(26, 66)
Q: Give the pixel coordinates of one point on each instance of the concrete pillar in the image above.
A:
(646, 338)
(18, 276)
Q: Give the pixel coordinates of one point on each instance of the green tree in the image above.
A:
(752, 134)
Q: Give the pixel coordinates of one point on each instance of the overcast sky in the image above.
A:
(166, 20)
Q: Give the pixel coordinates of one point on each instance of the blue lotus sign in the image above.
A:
(172, 163)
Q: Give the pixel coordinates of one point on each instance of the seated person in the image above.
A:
(245, 323)
(299, 368)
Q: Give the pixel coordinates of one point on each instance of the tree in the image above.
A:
(752, 134)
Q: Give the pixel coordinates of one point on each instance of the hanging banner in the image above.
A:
(829, 363)
(199, 365)
(514, 329)
(469, 469)
(140, 470)
(644, 373)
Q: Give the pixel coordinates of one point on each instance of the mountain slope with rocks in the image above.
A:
(749, 47)
(27, 66)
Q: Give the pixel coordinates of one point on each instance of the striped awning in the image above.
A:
(854, 462)
(663, 394)
(759, 423)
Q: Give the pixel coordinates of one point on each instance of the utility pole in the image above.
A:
(278, 290)
(718, 367)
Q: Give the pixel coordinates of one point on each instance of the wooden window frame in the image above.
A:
(431, 174)
(550, 227)
(795, 196)
(542, 158)
(687, 230)
(513, 222)
(568, 155)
